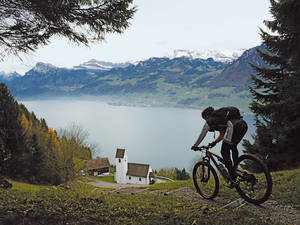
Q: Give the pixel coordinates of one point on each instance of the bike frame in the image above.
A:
(209, 155)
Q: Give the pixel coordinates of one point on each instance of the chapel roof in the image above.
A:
(137, 170)
(120, 153)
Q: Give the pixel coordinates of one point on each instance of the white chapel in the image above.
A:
(132, 173)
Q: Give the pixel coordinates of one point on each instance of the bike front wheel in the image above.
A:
(253, 179)
(205, 180)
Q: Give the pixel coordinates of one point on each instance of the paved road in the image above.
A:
(104, 184)
(99, 183)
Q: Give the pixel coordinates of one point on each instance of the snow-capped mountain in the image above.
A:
(99, 65)
(150, 76)
(218, 56)
(43, 67)
(8, 76)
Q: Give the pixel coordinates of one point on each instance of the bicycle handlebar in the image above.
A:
(200, 148)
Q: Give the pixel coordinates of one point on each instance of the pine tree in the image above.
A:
(11, 138)
(181, 174)
(276, 89)
(27, 24)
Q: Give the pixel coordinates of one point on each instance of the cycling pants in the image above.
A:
(234, 134)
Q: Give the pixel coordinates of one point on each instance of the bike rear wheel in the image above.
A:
(205, 180)
(254, 181)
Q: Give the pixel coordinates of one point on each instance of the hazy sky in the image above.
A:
(158, 28)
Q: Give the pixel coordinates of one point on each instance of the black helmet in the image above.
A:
(207, 111)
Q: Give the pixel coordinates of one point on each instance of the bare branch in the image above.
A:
(27, 24)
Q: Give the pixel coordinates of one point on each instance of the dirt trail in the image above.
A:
(268, 210)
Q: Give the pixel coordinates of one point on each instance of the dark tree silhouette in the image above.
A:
(27, 24)
(276, 89)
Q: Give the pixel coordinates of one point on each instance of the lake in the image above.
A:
(161, 137)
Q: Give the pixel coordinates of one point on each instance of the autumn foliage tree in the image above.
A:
(75, 137)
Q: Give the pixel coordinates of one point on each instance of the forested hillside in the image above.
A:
(30, 150)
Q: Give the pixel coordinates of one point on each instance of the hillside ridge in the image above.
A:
(180, 81)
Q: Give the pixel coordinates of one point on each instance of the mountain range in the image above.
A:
(183, 79)
(220, 56)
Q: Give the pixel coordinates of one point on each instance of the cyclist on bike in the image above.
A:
(232, 128)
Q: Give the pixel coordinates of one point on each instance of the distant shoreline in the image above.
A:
(121, 101)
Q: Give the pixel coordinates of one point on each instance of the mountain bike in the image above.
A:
(252, 179)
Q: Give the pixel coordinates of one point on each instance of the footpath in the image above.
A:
(269, 210)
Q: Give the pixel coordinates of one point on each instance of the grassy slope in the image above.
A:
(67, 207)
(108, 179)
(32, 204)
(286, 187)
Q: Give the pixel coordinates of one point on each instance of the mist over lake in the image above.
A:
(161, 137)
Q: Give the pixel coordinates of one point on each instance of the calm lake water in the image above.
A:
(161, 137)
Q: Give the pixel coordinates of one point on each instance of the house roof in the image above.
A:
(120, 153)
(98, 163)
(137, 170)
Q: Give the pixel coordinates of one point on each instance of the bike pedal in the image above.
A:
(231, 185)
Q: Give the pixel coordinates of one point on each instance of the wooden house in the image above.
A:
(98, 166)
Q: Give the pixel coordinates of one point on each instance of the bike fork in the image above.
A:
(205, 162)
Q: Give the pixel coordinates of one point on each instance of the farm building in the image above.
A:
(133, 173)
(98, 166)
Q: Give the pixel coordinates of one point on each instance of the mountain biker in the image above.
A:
(232, 128)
